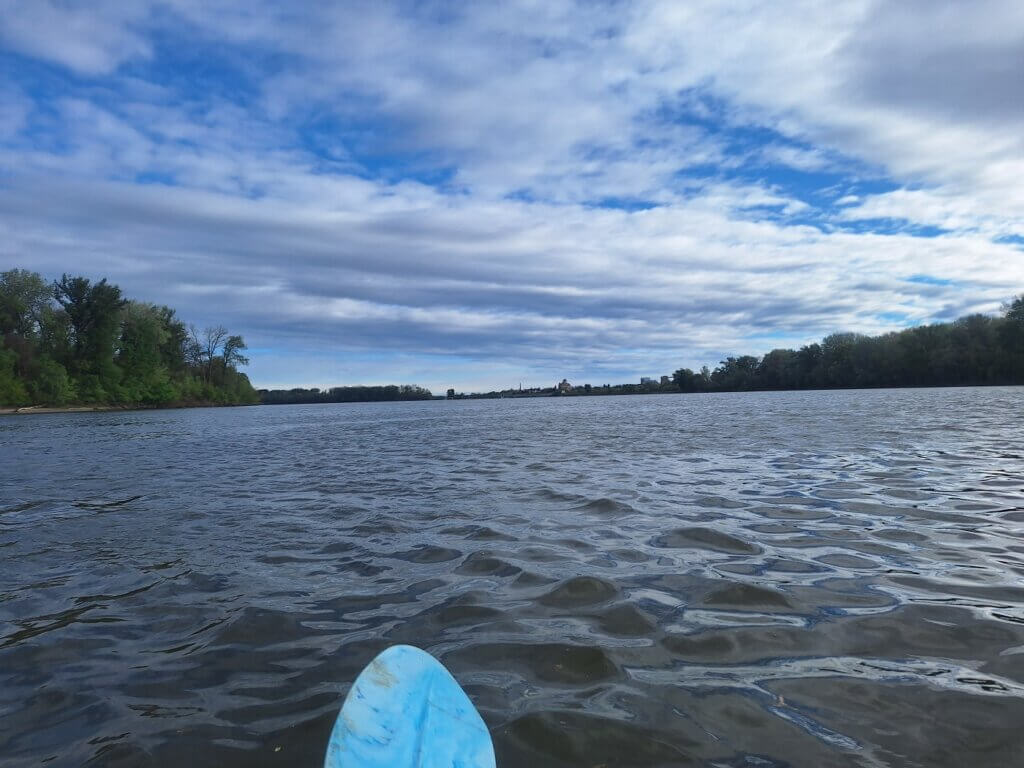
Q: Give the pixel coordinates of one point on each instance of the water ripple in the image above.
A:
(739, 579)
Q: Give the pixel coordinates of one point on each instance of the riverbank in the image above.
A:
(27, 409)
(56, 409)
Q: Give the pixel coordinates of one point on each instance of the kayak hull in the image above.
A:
(405, 710)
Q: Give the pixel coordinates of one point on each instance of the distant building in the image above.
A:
(451, 394)
(665, 381)
(564, 386)
(647, 380)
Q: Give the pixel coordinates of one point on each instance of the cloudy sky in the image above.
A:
(479, 194)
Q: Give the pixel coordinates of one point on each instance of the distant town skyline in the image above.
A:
(476, 195)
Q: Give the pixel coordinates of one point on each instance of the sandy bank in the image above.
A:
(5, 411)
(60, 409)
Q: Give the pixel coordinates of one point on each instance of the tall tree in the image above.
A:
(94, 310)
(24, 296)
(1012, 337)
(206, 345)
(1015, 310)
(173, 348)
(232, 354)
(143, 334)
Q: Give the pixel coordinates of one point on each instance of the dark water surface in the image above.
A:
(790, 579)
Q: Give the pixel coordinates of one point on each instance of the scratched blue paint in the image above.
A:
(406, 711)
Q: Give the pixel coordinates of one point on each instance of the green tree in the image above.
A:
(56, 336)
(777, 370)
(736, 373)
(12, 389)
(139, 356)
(94, 311)
(688, 381)
(1015, 310)
(232, 352)
(203, 348)
(1011, 336)
(51, 384)
(23, 297)
(175, 341)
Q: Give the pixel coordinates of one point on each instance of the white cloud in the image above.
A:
(92, 38)
(541, 111)
(561, 287)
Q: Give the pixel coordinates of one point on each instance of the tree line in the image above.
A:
(582, 390)
(975, 350)
(75, 341)
(356, 394)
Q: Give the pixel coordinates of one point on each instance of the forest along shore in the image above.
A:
(81, 345)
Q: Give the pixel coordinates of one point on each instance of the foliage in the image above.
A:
(23, 295)
(12, 389)
(78, 341)
(51, 383)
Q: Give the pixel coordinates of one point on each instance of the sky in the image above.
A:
(478, 195)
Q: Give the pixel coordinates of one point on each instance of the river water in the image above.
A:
(763, 579)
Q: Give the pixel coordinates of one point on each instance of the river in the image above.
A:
(748, 579)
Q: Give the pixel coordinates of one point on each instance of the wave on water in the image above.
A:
(832, 580)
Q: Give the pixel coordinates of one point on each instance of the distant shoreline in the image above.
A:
(599, 392)
(30, 409)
